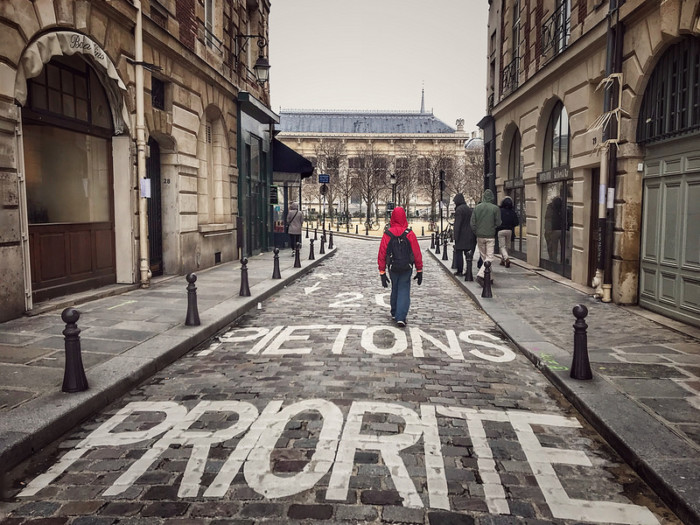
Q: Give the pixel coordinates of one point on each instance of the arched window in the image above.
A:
(671, 103)
(515, 160)
(556, 139)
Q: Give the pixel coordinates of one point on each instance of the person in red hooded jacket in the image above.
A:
(400, 280)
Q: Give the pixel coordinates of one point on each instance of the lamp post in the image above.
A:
(392, 179)
(262, 65)
(442, 188)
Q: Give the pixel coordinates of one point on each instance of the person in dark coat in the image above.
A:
(509, 220)
(465, 240)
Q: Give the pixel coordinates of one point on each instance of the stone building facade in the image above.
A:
(413, 146)
(100, 186)
(593, 127)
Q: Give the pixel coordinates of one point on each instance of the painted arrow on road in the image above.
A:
(313, 288)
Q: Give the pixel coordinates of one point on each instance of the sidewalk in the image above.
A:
(127, 334)
(644, 398)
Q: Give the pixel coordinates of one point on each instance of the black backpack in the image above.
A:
(399, 254)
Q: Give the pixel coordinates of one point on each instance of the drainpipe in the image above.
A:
(141, 149)
(613, 64)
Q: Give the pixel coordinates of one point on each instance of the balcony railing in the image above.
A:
(510, 76)
(555, 30)
(211, 41)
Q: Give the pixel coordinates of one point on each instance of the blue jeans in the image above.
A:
(400, 294)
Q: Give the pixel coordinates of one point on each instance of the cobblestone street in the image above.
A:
(317, 408)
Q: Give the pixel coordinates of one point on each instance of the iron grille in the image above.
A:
(510, 76)
(555, 30)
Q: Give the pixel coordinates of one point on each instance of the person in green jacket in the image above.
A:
(486, 217)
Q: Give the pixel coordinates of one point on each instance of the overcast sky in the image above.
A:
(379, 54)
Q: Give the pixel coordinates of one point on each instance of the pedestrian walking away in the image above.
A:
(486, 218)
(398, 253)
(509, 220)
(295, 220)
(465, 240)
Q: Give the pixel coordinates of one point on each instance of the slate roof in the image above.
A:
(391, 122)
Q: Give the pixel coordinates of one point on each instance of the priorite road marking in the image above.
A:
(334, 451)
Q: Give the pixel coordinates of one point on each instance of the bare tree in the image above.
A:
(369, 173)
(330, 156)
(440, 159)
(406, 170)
(475, 175)
(468, 176)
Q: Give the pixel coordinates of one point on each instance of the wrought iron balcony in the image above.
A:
(510, 76)
(555, 30)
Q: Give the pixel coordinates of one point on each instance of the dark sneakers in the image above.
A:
(401, 324)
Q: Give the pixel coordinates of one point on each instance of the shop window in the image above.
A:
(557, 192)
(74, 190)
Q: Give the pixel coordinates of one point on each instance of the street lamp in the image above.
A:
(392, 179)
(262, 65)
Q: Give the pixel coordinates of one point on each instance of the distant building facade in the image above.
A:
(74, 211)
(593, 127)
(408, 145)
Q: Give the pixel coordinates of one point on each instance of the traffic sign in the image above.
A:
(324, 178)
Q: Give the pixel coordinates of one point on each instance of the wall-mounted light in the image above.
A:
(262, 65)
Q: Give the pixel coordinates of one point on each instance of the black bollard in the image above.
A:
(454, 257)
(580, 367)
(357, 226)
(74, 379)
(445, 257)
(323, 245)
(311, 253)
(347, 227)
(422, 231)
(432, 241)
(486, 292)
(192, 318)
(468, 275)
(307, 231)
(245, 289)
(437, 244)
(337, 226)
(297, 257)
(330, 241)
(315, 234)
(276, 267)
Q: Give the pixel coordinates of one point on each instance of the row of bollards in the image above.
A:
(75, 380)
(580, 367)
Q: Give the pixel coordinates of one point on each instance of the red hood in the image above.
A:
(398, 219)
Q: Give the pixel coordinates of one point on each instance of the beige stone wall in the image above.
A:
(573, 78)
(195, 79)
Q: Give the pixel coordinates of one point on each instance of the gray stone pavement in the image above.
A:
(317, 408)
(644, 397)
(127, 334)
